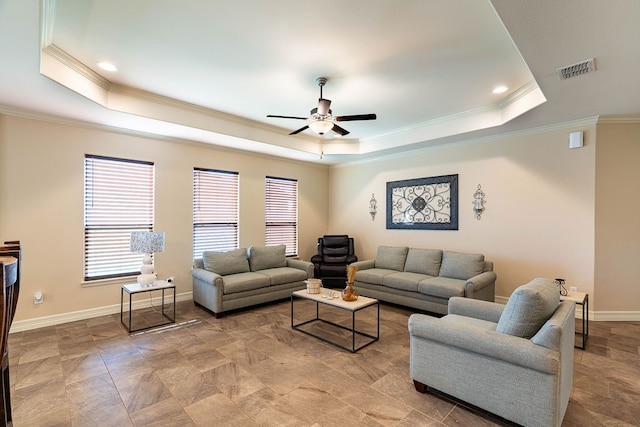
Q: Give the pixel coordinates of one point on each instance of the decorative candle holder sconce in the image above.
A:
(373, 207)
(478, 202)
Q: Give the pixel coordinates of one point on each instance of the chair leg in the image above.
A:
(422, 388)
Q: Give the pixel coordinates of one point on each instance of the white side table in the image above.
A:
(580, 298)
(136, 288)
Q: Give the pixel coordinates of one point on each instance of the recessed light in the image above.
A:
(500, 89)
(107, 66)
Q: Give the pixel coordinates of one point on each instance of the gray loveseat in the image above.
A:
(224, 281)
(425, 279)
(515, 361)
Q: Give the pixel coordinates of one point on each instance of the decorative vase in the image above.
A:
(349, 293)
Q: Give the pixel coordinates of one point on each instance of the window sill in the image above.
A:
(110, 281)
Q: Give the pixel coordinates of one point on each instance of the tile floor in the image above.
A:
(249, 368)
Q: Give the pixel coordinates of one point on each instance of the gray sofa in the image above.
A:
(425, 279)
(515, 361)
(224, 281)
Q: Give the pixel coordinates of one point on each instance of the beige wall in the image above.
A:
(617, 213)
(550, 211)
(41, 204)
(539, 218)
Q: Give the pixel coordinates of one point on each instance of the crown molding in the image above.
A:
(589, 121)
(635, 118)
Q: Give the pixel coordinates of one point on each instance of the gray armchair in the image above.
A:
(513, 360)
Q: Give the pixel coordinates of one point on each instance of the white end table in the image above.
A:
(580, 298)
(136, 288)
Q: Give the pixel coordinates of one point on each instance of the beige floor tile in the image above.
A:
(249, 368)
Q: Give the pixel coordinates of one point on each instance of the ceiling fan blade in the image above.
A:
(323, 106)
(338, 129)
(355, 117)
(299, 130)
(287, 117)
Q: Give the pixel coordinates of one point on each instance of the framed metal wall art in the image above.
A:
(423, 203)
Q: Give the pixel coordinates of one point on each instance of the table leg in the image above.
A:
(121, 303)
(130, 295)
(162, 309)
(353, 332)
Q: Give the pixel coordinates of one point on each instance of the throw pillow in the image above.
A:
(528, 308)
(225, 263)
(263, 257)
(456, 265)
(391, 257)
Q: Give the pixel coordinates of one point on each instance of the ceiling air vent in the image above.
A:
(578, 69)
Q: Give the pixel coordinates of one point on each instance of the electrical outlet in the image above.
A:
(38, 298)
(573, 288)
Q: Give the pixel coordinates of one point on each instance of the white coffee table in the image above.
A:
(351, 306)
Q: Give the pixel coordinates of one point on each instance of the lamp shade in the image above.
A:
(146, 241)
(321, 126)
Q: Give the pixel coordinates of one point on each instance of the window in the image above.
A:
(118, 199)
(281, 213)
(215, 211)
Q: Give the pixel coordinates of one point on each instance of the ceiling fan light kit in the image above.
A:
(321, 119)
(321, 126)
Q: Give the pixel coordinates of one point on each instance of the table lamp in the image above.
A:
(147, 242)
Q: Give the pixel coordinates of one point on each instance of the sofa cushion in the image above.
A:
(424, 261)
(461, 266)
(281, 275)
(373, 275)
(403, 280)
(263, 257)
(391, 257)
(244, 282)
(528, 308)
(442, 287)
(224, 263)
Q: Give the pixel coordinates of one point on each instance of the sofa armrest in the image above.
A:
(305, 266)
(508, 348)
(483, 283)
(365, 265)
(478, 309)
(207, 276)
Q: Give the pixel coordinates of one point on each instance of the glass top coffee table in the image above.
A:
(322, 299)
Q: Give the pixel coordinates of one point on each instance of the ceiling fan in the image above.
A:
(321, 120)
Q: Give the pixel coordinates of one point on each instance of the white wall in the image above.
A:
(539, 217)
(41, 204)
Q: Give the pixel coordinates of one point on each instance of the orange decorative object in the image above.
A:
(349, 293)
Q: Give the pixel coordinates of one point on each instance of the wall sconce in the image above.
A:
(478, 202)
(373, 207)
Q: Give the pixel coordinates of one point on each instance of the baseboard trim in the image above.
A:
(57, 319)
(615, 316)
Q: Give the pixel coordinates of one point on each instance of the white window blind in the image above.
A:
(118, 199)
(281, 213)
(215, 210)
